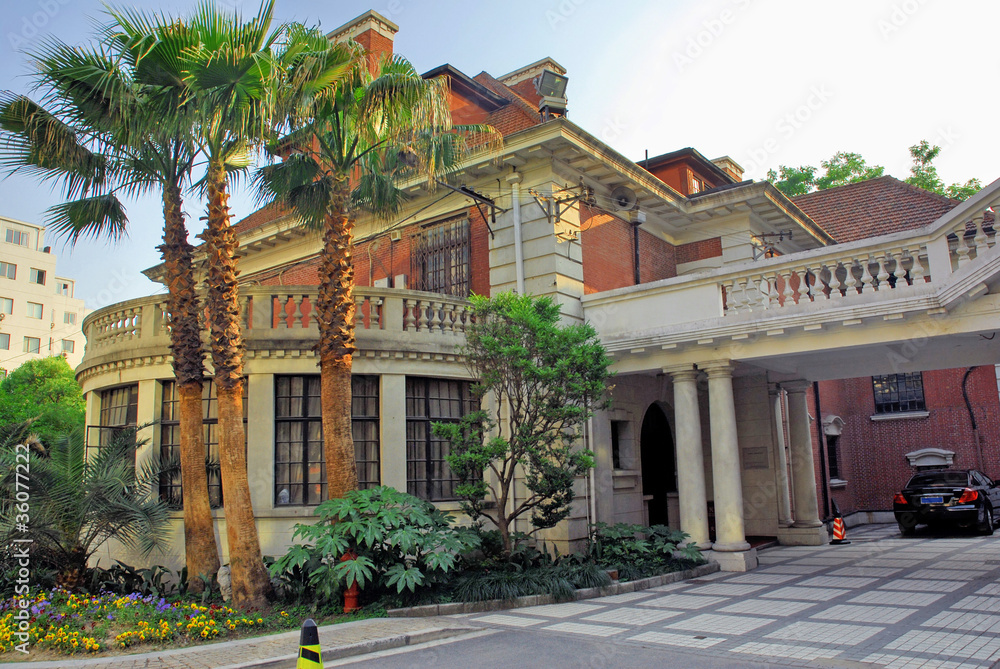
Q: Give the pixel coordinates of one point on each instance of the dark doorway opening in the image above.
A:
(659, 472)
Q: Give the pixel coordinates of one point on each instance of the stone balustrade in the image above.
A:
(284, 316)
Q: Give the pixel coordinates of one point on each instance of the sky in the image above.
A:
(766, 82)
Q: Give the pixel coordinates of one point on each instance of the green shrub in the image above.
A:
(386, 541)
(637, 551)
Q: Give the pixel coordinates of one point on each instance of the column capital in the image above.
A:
(681, 372)
(717, 368)
(514, 177)
(796, 386)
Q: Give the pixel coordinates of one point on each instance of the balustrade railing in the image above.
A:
(780, 284)
(274, 312)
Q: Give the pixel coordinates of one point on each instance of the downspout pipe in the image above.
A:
(822, 451)
(514, 179)
(635, 252)
(972, 417)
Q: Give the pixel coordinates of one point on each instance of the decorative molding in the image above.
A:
(931, 457)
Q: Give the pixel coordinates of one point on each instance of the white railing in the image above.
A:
(285, 313)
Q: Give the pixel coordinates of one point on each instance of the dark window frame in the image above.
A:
(8, 270)
(35, 274)
(899, 393)
(617, 426)
(441, 258)
(171, 489)
(365, 429)
(833, 459)
(422, 445)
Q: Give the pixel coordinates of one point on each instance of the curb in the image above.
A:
(457, 608)
(359, 648)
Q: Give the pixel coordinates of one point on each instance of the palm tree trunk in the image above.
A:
(336, 312)
(201, 551)
(251, 585)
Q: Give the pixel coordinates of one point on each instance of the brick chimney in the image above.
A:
(730, 167)
(371, 30)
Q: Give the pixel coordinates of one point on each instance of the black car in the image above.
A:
(947, 497)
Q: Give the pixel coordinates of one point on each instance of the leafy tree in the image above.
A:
(385, 123)
(793, 181)
(77, 503)
(842, 169)
(45, 392)
(924, 174)
(848, 168)
(546, 379)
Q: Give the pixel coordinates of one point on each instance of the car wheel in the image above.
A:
(907, 529)
(986, 521)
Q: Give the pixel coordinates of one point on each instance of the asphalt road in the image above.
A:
(515, 648)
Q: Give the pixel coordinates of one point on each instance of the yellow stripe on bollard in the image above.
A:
(310, 655)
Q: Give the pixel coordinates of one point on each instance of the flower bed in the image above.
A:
(66, 623)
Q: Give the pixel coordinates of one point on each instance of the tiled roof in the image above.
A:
(875, 207)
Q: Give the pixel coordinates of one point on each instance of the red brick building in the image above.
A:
(868, 425)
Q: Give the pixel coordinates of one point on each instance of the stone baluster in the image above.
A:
(850, 282)
(359, 312)
(982, 245)
(866, 276)
(963, 249)
(297, 310)
(746, 293)
(375, 313)
(282, 313)
(421, 316)
(883, 274)
(434, 317)
(449, 318)
(461, 313)
(899, 272)
(409, 318)
(835, 281)
(803, 275)
(772, 290)
(730, 303)
(916, 269)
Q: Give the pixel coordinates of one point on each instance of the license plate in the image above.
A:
(932, 499)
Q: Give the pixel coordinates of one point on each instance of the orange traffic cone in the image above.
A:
(839, 531)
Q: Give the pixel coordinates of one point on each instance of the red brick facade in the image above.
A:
(872, 452)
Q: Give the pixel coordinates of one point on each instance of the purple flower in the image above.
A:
(110, 617)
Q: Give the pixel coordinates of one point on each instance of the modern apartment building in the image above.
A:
(39, 315)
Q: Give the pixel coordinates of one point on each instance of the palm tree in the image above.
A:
(111, 133)
(241, 76)
(78, 502)
(384, 123)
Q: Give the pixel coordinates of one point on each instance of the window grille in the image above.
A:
(897, 393)
(439, 260)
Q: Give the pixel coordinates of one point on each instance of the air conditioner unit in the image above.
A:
(381, 283)
(399, 281)
(395, 235)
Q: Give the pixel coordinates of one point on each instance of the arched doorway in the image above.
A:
(659, 472)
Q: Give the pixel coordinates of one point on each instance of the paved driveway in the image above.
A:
(883, 601)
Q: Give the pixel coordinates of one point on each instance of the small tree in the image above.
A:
(548, 379)
(44, 391)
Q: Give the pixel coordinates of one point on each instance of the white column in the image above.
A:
(726, 477)
(690, 456)
(801, 447)
(781, 461)
(392, 439)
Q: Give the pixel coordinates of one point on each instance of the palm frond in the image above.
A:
(89, 217)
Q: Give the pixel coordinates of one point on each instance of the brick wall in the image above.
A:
(872, 452)
(381, 257)
(700, 250)
(608, 253)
